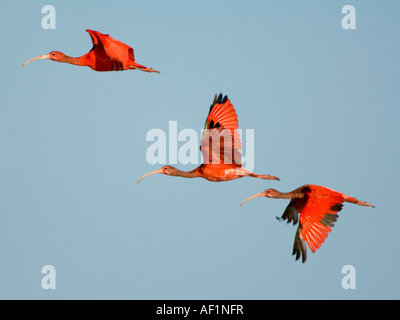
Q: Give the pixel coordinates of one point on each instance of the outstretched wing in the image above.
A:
(317, 218)
(220, 143)
(110, 53)
(318, 213)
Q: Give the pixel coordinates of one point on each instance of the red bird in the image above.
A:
(318, 207)
(220, 146)
(107, 54)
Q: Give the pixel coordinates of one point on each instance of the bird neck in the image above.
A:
(186, 174)
(72, 60)
(298, 193)
(281, 195)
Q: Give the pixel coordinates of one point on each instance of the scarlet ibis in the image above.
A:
(220, 146)
(107, 54)
(318, 207)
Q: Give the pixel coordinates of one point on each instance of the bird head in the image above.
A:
(168, 170)
(271, 193)
(56, 56)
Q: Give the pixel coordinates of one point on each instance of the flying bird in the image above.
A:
(220, 147)
(318, 207)
(107, 54)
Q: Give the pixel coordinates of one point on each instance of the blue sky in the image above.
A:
(324, 106)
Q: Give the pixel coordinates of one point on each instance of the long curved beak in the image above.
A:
(45, 56)
(147, 174)
(261, 194)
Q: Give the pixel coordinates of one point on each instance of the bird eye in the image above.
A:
(53, 54)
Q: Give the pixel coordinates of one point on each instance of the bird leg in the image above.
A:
(267, 177)
(151, 70)
(245, 172)
(143, 68)
(355, 201)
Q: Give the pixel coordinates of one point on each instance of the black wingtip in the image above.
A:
(219, 99)
(299, 254)
(337, 207)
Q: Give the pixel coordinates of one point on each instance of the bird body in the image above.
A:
(107, 54)
(315, 208)
(220, 146)
(218, 173)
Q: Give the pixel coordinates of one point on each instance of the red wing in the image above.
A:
(217, 147)
(222, 113)
(108, 48)
(220, 142)
(318, 216)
